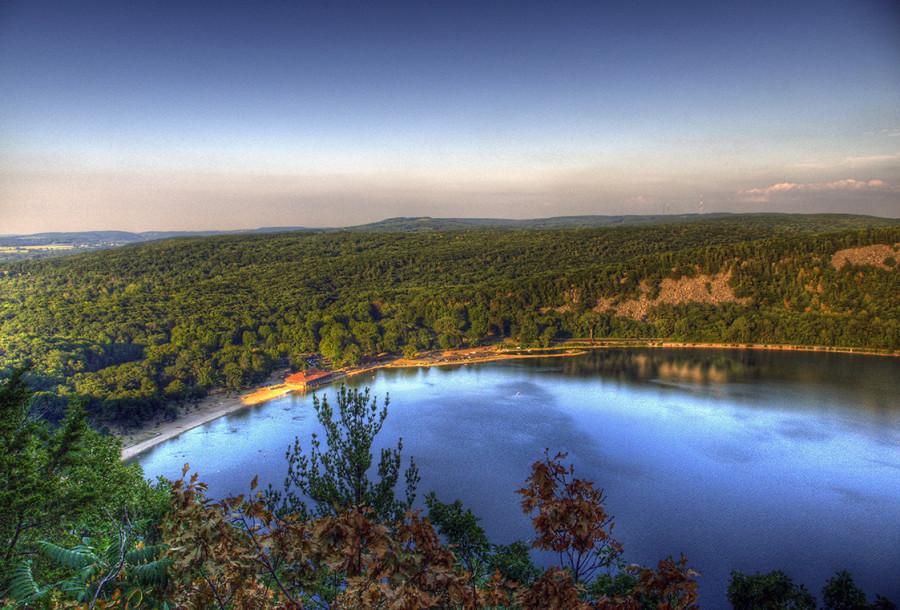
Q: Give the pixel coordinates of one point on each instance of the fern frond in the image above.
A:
(88, 573)
(152, 573)
(75, 588)
(146, 554)
(22, 586)
(111, 553)
(75, 558)
(78, 586)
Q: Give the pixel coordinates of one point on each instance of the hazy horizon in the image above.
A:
(201, 229)
(232, 116)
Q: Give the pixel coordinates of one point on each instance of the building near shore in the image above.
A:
(307, 380)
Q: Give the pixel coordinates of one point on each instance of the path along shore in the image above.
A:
(219, 403)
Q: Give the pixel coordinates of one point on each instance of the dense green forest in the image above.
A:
(132, 330)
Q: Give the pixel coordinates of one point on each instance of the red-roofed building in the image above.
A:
(305, 380)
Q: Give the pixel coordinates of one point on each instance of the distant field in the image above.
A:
(12, 249)
(10, 253)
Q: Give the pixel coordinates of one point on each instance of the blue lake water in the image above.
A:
(741, 460)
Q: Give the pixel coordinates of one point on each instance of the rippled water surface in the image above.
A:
(741, 460)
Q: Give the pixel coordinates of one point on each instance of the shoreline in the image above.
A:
(219, 404)
(769, 347)
(205, 410)
(211, 407)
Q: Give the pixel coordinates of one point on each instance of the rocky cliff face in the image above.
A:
(876, 255)
(702, 288)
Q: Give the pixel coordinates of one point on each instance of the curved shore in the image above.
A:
(219, 404)
(206, 410)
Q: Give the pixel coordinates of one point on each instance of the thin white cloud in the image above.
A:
(871, 159)
(767, 193)
(890, 133)
(854, 162)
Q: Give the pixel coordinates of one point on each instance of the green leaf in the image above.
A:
(22, 586)
(76, 558)
(148, 553)
(153, 573)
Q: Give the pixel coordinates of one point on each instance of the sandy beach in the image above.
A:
(207, 409)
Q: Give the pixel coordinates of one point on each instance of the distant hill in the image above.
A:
(70, 238)
(45, 245)
(89, 240)
(807, 221)
(427, 223)
(121, 237)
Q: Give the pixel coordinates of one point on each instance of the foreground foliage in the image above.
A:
(236, 553)
(777, 591)
(268, 551)
(119, 573)
(61, 484)
(336, 477)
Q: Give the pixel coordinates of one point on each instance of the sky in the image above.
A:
(224, 115)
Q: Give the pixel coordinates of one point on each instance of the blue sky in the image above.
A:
(223, 115)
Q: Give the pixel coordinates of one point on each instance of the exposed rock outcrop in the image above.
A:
(712, 289)
(875, 255)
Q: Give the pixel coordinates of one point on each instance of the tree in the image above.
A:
(740, 330)
(367, 336)
(336, 477)
(460, 528)
(449, 328)
(592, 324)
(56, 482)
(769, 591)
(467, 539)
(883, 603)
(526, 330)
(23, 456)
(478, 324)
(513, 562)
(841, 593)
(548, 335)
(569, 518)
(335, 339)
(175, 389)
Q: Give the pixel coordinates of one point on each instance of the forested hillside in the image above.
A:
(134, 328)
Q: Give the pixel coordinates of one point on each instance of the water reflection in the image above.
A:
(741, 459)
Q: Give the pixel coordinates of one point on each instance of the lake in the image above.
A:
(746, 460)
